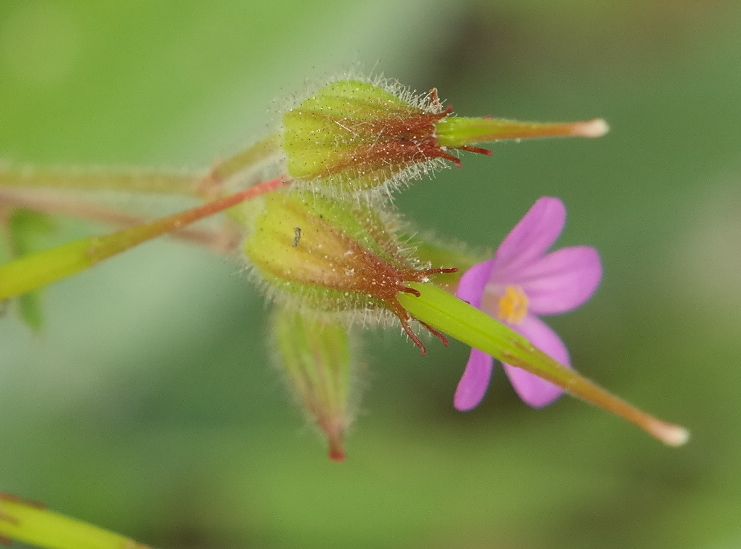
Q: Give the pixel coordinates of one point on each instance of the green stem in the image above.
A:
(99, 179)
(138, 181)
(35, 271)
(51, 203)
(246, 159)
(35, 525)
(475, 328)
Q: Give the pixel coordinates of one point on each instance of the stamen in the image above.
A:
(513, 305)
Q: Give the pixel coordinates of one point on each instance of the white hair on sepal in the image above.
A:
(381, 194)
(335, 185)
(356, 378)
(362, 309)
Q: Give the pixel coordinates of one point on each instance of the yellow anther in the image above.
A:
(513, 305)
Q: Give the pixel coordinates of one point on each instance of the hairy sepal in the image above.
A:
(317, 360)
(326, 256)
(362, 136)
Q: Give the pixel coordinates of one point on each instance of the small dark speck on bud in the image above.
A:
(296, 236)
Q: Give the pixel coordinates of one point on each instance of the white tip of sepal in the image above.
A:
(591, 128)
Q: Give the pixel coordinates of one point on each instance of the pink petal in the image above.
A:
(475, 381)
(561, 281)
(534, 391)
(472, 283)
(532, 236)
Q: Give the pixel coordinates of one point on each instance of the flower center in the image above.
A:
(513, 305)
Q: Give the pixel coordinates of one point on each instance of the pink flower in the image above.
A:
(521, 283)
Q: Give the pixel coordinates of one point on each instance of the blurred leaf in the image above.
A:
(32, 271)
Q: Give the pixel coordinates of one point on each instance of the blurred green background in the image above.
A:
(147, 405)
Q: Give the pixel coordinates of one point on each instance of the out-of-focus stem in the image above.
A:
(100, 179)
(35, 271)
(177, 182)
(458, 319)
(246, 159)
(33, 524)
(51, 204)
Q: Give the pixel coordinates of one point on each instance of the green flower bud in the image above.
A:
(354, 136)
(327, 255)
(316, 358)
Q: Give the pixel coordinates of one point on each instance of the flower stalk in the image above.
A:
(51, 203)
(444, 312)
(100, 179)
(247, 159)
(164, 182)
(35, 271)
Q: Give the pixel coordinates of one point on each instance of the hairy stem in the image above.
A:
(177, 182)
(35, 271)
(248, 158)
(100, 179)
(51, 204)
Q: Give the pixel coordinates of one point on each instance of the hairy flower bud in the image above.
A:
(328, 255)
(354, 136)
(316, 358)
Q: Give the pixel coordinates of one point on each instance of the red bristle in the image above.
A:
(438, 335)
(476, 150)
(414, 337)
(454, 159)
(440, 270)
(412, 291)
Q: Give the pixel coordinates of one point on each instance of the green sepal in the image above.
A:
(353, 136)
(316, 357)
(324, 254)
